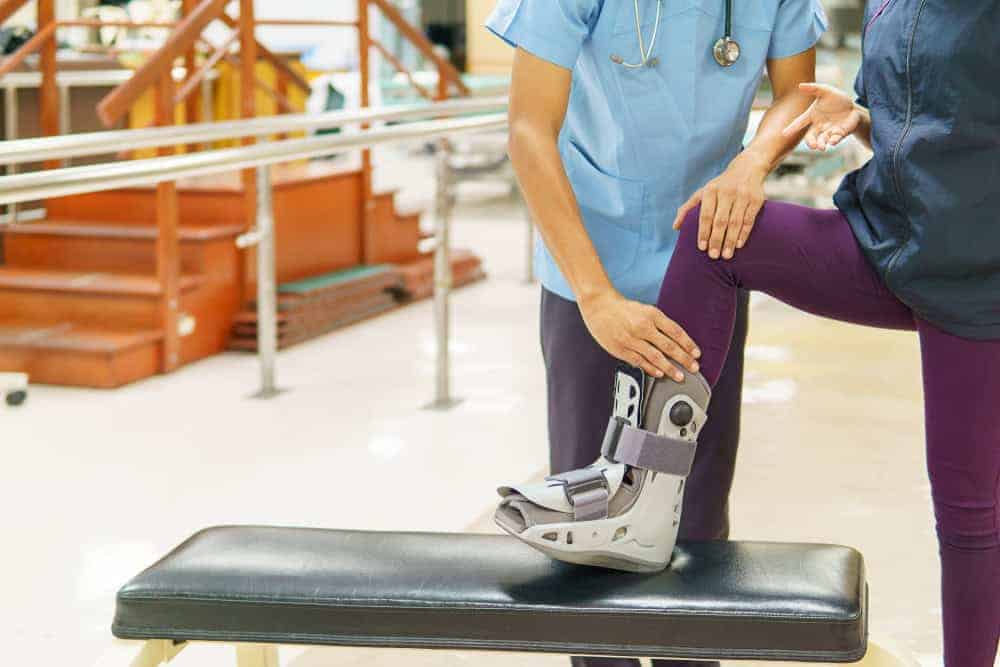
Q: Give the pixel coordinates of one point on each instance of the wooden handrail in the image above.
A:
(401, 68)
(275, 61)
(117, 103)
(424, 45)
(195, 78)
(36, 42)
(8, 7)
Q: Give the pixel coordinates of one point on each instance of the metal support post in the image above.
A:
(267, 291)
(443, 399)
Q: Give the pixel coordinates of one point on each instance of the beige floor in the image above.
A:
(95, 485)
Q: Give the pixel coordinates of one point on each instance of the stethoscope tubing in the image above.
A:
(646, 58)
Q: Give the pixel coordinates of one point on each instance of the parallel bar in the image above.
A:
(96, 143)
(96, 178)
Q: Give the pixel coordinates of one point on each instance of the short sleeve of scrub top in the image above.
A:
(798, 26)
(519, 22)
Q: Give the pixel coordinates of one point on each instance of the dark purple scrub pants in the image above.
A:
(810, 259)
(580, 376)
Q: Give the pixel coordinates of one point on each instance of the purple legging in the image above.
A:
(809, 259)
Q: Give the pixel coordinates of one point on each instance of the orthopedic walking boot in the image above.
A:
(622, 512)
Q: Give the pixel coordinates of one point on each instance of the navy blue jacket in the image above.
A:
(926, 208)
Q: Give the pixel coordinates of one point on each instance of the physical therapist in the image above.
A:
(625, 114)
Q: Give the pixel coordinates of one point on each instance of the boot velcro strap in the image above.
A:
(587, 491)
(646, 450)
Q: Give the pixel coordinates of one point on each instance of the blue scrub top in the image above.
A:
(637, 142)
(926, 208)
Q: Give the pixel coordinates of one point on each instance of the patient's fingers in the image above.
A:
(811, 137)
(708, 203)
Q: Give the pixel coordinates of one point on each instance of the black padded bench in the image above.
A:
(267, 586)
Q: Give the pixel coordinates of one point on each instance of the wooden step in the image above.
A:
(67, 353)
(124, 301)
(112, 247)
(314, 306)
(392, 236)
(418, 275)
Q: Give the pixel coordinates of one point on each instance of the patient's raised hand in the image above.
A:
(831, 117)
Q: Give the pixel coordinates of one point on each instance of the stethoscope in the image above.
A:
(726, 50)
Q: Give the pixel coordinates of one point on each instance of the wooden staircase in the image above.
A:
(115, 286)
(79, 296)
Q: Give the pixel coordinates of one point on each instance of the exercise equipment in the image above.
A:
(258, 587)
(623, 511)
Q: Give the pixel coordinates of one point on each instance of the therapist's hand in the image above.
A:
(729, 205)
(832, 116)
(639, 334)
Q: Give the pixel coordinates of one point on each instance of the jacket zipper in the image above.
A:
(878, 12)
(907, 125)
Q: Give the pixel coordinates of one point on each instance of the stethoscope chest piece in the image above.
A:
(726, 51)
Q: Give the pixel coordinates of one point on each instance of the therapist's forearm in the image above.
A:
(770, 146)
(535, 156)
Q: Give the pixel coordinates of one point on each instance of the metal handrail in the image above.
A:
(95, 178)
(21, 151)
(158, 170)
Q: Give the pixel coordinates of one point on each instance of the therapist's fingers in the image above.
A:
(650, 355)
(723, 211)
(749, 220)
(802, 122)
(673, 351)
(709, 202)
(736, 220)
(682, 212)
(675, 332)
(639, 360)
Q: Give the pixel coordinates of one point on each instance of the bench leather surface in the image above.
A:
(308, 586)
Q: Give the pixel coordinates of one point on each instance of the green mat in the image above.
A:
(307, 285)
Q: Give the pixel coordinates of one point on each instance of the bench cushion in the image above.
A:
(746, 600)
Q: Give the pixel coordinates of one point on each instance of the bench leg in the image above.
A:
(156, 652)
(256, 655)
